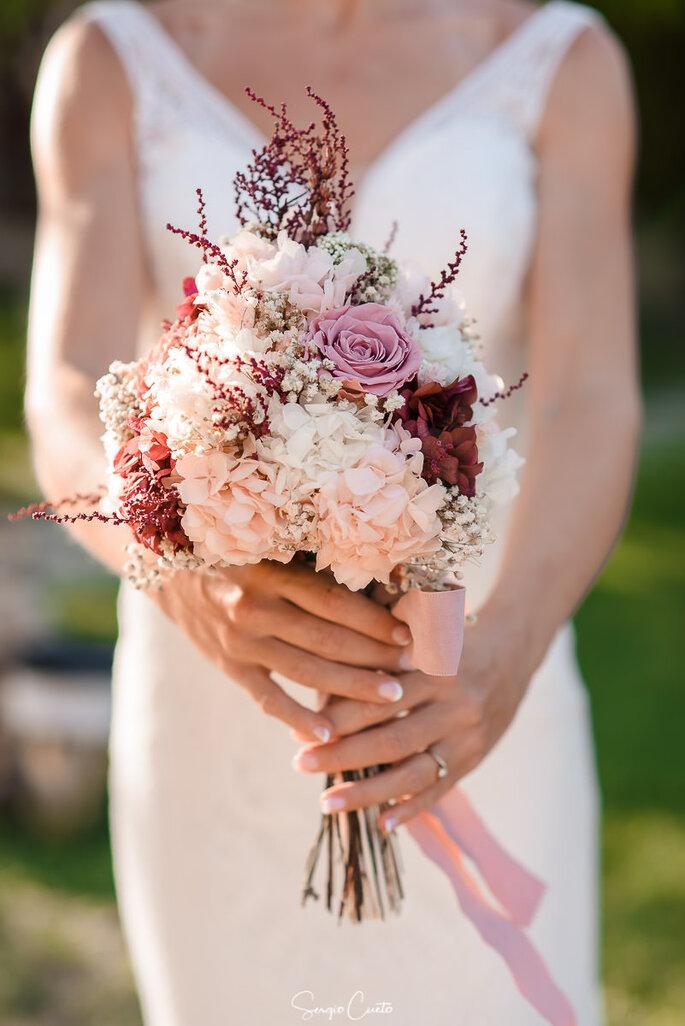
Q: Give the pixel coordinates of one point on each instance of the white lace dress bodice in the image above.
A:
(210, 826)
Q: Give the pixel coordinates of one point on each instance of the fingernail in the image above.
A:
(401, 635)
(305, 761)
(323, 733)
(334, 803)
(390, 689)
(390, 823)
(405, 662)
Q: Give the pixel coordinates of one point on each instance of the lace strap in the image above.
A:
(165, 86)
(516, 82)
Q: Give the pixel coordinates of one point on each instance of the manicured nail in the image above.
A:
(390, 689)
(305, 761)
(405, 662)
(323, 733)
(390, 823)
(401, 635)
(334, 803)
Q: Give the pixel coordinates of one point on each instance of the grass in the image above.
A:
(631, 650)
(56, 897)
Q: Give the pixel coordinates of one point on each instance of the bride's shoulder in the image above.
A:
(82, 105)
(592, 96)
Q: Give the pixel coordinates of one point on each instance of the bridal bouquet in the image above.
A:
(311, 397)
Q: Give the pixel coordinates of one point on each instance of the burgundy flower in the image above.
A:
(452, 458)
(153, 513)
(149, 504)
(438, 415)
(439, 407)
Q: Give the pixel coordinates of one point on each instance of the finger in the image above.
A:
(461, 756)
(333, 641)
(335, 678)
(408, 778)
(320, 593)
(405, 809)
(349, 715)
(388, 743)
(274, 701)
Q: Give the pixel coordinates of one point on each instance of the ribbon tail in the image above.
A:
(516, 889)
(528, 969)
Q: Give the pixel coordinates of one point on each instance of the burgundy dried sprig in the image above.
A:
(299, 181)
(391, 238)
(509, 391)
(209, 248)
(36, 510)
(203, 220)
(357, 290)
(233, 397)
(437, 289)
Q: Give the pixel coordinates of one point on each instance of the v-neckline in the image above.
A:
(433, 111)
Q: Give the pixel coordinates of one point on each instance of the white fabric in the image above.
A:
(210, 824)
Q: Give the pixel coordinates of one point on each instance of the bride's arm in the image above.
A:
(584, 398)
(87, 289)
(584, 425)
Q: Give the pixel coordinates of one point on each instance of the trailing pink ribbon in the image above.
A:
(452, 828)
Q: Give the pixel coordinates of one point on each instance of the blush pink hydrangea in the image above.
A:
(378, 514)
(231, 513)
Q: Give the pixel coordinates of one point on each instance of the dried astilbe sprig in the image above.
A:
(299, 181)
(437, 290)
(209, 248)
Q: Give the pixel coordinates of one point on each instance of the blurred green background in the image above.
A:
(61, 958)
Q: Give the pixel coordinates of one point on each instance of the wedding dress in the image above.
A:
(210, 825)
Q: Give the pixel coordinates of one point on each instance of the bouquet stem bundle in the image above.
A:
(367, 858)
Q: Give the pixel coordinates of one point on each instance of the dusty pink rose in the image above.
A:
(368, 344)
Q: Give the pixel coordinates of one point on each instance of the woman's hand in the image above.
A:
(252, 620)
(461, 717)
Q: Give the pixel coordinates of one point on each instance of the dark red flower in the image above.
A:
(452, 458)
(437, 415)
(439, 407)
(153, 512)
(149, 504)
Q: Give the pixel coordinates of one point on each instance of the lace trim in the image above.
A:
(516, 82)
(167, 89)
(165, 86)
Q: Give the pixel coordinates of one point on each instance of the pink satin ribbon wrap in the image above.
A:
(452, 829)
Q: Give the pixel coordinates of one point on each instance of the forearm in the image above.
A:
(69, 459)
(575, 492)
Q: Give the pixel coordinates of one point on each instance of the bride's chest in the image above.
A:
(476, 173)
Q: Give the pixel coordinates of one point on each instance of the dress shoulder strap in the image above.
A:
(517, 80)
(166, 89)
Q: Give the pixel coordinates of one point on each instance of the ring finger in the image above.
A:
(408, 778)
